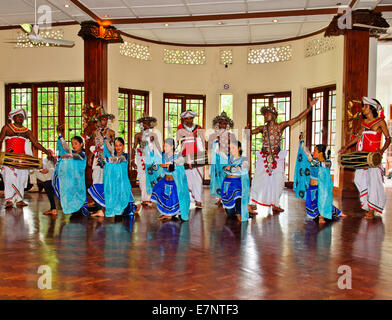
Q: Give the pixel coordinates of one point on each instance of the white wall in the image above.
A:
(384, 75)
(39, 64)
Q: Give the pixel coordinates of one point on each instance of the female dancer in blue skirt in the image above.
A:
(170, 192)
(235, 185)
(115, 194)
(69, 175)
(313, 183)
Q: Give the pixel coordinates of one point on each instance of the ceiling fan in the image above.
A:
(33, 35)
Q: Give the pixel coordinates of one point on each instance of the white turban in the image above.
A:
(14, 112)
(372, 102)
(188, 113)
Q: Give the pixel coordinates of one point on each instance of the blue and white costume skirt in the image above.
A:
(230, 192)
(165, 195)
(56, 189)
(96, 191)
(312, 209)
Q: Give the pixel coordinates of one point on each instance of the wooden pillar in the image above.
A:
(95, 72)
(96, 39)
(355, 86)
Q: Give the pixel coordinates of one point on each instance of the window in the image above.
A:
(226, 104)
(282, 103)
(47, 105)
(175, 104)
(131, 106)
(321, 121)
(73, 104)
(21, 98)
(47, 102)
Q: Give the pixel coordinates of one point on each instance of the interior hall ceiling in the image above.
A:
(203, 22)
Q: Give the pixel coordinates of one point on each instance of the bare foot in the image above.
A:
(369, 215)
(321, 220)
(164, 218)
(342, 215)
(20, 204)
(238, 217)
(198, 204)
(138, 208)
(99, 213)
(50, 212)
(8, 204)
(251, 210)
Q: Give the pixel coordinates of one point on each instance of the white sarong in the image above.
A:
(266, 189)
(15, 180)
(370, 184)
(195, 184)
(141, 173)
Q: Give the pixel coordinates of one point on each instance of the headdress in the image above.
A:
(373, 102)
(269, 108)
(14, 112)
(188, 114)
(223, 117)
(146, 117)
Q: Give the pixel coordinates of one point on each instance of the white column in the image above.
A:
(372, 79)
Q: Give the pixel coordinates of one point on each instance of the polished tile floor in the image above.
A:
(208, 257)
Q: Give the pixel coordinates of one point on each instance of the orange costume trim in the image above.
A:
(16, 129)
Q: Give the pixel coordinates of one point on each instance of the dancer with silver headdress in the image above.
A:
(219, 144)
(145, 142)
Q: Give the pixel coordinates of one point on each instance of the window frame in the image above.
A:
(34, 101)
(130, 120)
(270, 96)
(184, 98)
(325, 114)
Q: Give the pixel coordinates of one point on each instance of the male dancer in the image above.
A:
(268, 180)
(17, 139)
(192, 141)
(369, 182)
(142, 139)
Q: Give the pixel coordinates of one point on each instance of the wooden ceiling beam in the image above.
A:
(235, 16)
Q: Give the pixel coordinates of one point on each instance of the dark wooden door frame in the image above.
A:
(271, 96)
(325, 112)
(183, 98)
(34, 100)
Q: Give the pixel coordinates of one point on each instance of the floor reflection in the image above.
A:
(281, 256)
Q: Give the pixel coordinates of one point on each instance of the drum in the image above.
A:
(197, 160)
(360, 160)
(20, 160)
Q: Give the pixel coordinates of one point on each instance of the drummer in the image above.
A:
(369, 181)
(17, 139)
(191, 137)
